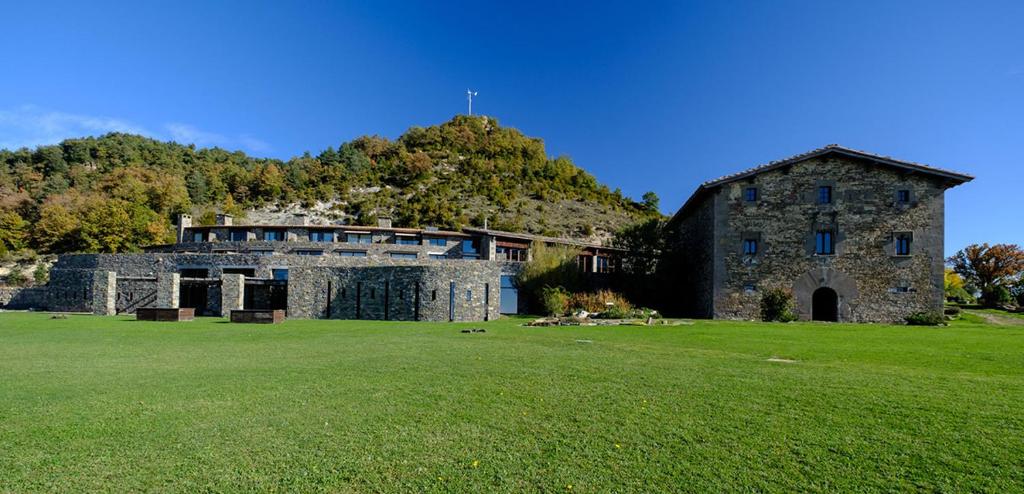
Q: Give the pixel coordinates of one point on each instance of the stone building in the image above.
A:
(854, 236)
(312, 271)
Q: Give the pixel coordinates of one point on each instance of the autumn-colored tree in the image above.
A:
(954, 287)
(12, 232)
(987, 266)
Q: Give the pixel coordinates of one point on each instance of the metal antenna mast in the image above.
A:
(469, 96)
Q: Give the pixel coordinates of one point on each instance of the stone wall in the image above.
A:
(406, 292)
(385, 288)
(22, 298)
(692, 273)
(873, 284)
(133, 293)
(70, 290)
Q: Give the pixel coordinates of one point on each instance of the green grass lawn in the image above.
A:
(111, 404)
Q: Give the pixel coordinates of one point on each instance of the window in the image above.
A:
(903, 196)
(403, 255)
(319, 236)
(511, 254)
(309, 252)
(749, 288)
(433, 295)
(273, 235)
(352, 253)
(825, 194)
(280, 274)
(261, 252)
(469, 295)
(750, 246)
(750, 194)
(373, 294)
(471, 248)
(402, 240)
(437, 242)
(437, 256)
(359, 238)
(194, 273)
(250, 272)
(603, 265)
(198, 236)
(824, 243)
(903, 241)
(239, 235)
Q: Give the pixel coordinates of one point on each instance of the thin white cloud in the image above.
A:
(188, 134)
(30, 126)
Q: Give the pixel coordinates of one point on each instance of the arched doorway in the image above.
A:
(825, 305)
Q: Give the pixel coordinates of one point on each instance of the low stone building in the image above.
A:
(853, 235)
(312, 271)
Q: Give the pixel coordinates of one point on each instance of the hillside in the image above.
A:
(118, 192)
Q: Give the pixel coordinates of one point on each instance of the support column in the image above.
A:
(232, 293)
(104, 293)
(168, 286)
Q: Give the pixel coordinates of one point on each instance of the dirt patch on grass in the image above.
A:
(998, 319)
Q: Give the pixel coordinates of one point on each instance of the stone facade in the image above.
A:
(317, 286)
(761, 229)
(325, 271)
(104, 293)
(22, 298)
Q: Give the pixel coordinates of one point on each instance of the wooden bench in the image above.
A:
(258, 316)
(155, 314)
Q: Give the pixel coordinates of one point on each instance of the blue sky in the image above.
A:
(658, 96)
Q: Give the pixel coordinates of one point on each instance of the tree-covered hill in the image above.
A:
(119, 191)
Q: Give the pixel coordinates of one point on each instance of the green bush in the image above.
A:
(41, 275)
(549, 266)
(995, 296)
(777, 305)
(929, 318)
(17, 278)
(615, 312)
(555, 300)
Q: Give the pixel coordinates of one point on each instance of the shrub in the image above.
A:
(598, 301)
(777, 305)
(549, 266)
(929, 318)
(995, 296)
(615, 312)
(17, 278)
(555, 300)
(41, 275)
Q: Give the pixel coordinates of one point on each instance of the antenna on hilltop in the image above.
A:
(469, 96)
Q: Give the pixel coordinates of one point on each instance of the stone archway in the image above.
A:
(825, 305)
(806, 286)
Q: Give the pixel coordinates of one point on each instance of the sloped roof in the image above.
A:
(853, 153)
(956, 178)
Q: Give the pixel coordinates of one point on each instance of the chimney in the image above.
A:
(184, 221)
(224, 219)
(384, 222)
(300, 219)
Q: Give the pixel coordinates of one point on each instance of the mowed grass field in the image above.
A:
(111, 404)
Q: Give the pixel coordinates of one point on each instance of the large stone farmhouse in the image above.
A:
(854, 236)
